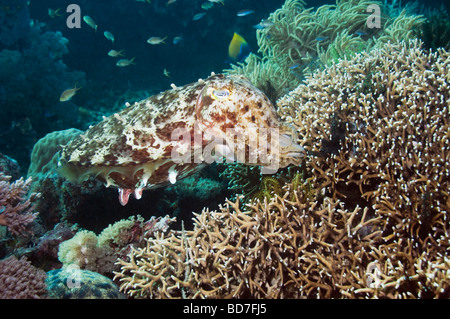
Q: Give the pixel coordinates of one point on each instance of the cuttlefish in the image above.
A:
(173, 134)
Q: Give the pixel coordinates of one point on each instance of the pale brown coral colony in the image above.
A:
(380, 141)
(376, 131)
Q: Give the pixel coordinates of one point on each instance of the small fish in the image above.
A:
(90, 22)
(238, 48)
(264, 24)
(53, 13)
(125, 62)
(170, 2)
(109, 36)
(360, 33)
(115, 53)
(245, 12)
(207, 5)
(68, 94)
(156, 40)
(166, 73)
(198, 16)
(321, 39)
(148, 1)
(177, 39)
(294, 66)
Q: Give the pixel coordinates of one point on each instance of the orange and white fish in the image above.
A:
(68, 94)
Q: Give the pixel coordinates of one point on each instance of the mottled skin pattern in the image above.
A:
(133, 149)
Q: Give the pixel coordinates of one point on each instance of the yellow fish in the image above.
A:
(125, 62)
(90, 22)
(109, 36)
(156, 40)
(115, 53)
(68, 94)
(238, 48)
(166, 73)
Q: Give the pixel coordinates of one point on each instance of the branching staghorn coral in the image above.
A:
(377, 127)
(285, 249)
(276, 249)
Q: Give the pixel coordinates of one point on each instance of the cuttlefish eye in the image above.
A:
(220, 95)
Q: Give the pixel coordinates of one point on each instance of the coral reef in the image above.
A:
(43, 252)
(300, 40)
(99, 253)
(285, 249)
(376, 136)
(16, 209)
(376, 224)
(75, 283)
(20, 280)
(83, 251)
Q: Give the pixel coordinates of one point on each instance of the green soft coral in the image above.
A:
(302, 39)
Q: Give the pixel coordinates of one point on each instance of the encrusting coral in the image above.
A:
(376, 131)
(75, 283)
